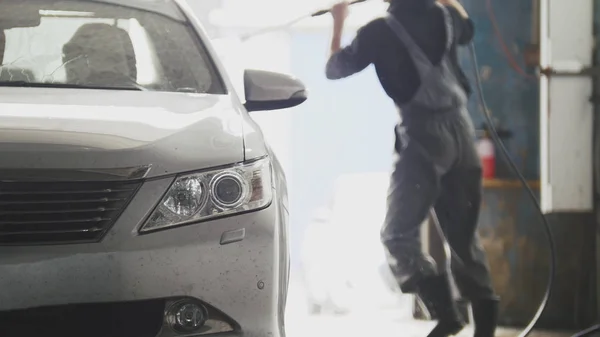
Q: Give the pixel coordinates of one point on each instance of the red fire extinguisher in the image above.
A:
(487, 154)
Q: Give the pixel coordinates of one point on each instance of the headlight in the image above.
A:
(205, 195)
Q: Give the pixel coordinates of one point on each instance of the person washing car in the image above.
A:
(413, 49)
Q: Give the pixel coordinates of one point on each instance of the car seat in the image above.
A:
(100, 54)
(15, 74)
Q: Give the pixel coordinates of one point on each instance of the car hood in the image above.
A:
(105, 129)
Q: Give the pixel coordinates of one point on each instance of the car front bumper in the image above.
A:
(245, 279)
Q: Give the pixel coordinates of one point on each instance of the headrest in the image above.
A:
(99, 48)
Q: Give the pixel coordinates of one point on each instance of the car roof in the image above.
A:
(168, 8)
(164, 7)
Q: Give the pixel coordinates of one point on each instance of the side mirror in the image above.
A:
(266, 90)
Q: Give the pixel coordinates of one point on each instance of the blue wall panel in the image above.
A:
(511, 96)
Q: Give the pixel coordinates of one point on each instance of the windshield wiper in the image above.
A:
(26, 84)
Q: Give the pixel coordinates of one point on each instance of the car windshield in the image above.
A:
(102, 44)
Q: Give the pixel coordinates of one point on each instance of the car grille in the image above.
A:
(35, 213)
(123, 319)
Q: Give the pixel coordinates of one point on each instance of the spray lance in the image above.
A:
(496, 138)
(245, 37)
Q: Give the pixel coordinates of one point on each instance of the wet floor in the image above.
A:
(353, 326)
(396, 321)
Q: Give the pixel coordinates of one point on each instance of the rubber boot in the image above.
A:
(436, 294)
(485, 316)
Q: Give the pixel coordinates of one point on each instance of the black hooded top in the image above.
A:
(376, 43)
(413, 5)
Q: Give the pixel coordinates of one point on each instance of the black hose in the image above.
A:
(588, 331)
(506, 155)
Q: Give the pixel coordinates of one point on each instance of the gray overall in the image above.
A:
(436, 165)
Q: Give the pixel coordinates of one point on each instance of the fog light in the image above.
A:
(187, 316)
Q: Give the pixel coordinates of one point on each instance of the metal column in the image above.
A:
(566, 111)
(567, 150)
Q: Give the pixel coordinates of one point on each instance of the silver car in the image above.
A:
(137, 196)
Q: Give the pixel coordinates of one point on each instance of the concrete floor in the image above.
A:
(395, 321)
(353, 326)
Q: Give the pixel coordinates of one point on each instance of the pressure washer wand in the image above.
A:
(291, 23)
(325, 11)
